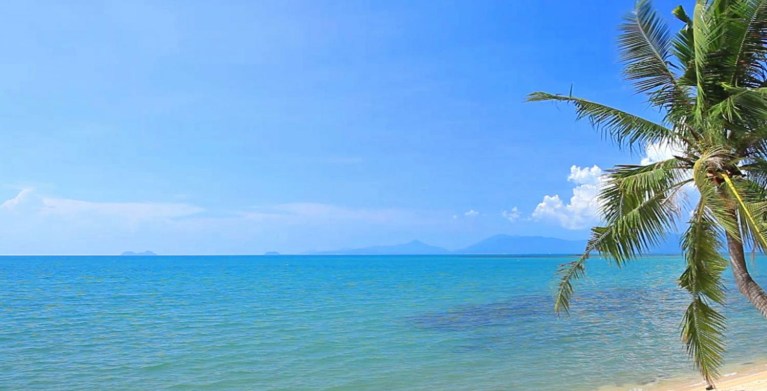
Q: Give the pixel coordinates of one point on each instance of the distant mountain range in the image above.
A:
(498, 244)
(506, 244)
(416, 247)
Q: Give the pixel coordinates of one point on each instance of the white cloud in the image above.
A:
(133, 211)
(36, 223)
(586, 175)
(659, 152)
(471, 213)
(511, 215)
(311, 212)
(39, 223)
(19, 199)
(33, 203)
(582, 210)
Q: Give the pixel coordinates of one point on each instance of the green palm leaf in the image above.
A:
(702, 326)
(744, 109)
(634, 226)
(748, 34)
(702, 333)
(645, 48)
(710, 83)
(623, 128)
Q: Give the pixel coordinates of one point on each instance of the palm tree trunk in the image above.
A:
(746, 285)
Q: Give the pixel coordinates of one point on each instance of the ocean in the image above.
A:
(346, 323)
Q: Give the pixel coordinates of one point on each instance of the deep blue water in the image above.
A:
(343, 323)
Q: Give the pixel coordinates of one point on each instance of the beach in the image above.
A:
(749, 376)
(754, 379)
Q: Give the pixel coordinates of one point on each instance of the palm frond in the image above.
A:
(700, 34)
(710, 83)
(632, 230)
(702, 244)
(645, 47)
(708, 28)
(683, 47)
(639, 204)
(702, 326)
(747, 37)
(744, 110)
(569, 272)
(634, 178)
(625, 129)
(702, 332)
(756, 170)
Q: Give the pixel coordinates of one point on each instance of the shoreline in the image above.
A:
(749, 376)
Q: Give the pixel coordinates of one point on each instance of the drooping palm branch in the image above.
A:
(640, 207)
(710, 83)
(623, 128)
(702, 325)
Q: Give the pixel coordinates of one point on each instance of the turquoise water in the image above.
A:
(342, 323)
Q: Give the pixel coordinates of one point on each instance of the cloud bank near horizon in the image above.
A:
(36, 223)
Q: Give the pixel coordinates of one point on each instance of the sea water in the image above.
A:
(346, 323)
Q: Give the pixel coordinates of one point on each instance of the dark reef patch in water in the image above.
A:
(607, 304)
(484, 315)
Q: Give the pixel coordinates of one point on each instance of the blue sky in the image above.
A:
(243, 127)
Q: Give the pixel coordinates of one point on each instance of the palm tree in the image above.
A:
(709, 81)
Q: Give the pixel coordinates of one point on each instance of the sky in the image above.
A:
(198, 127)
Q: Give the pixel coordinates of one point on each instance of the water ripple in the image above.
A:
(314, 323)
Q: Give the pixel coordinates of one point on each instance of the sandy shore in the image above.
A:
(743, 377)
(749, 379)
